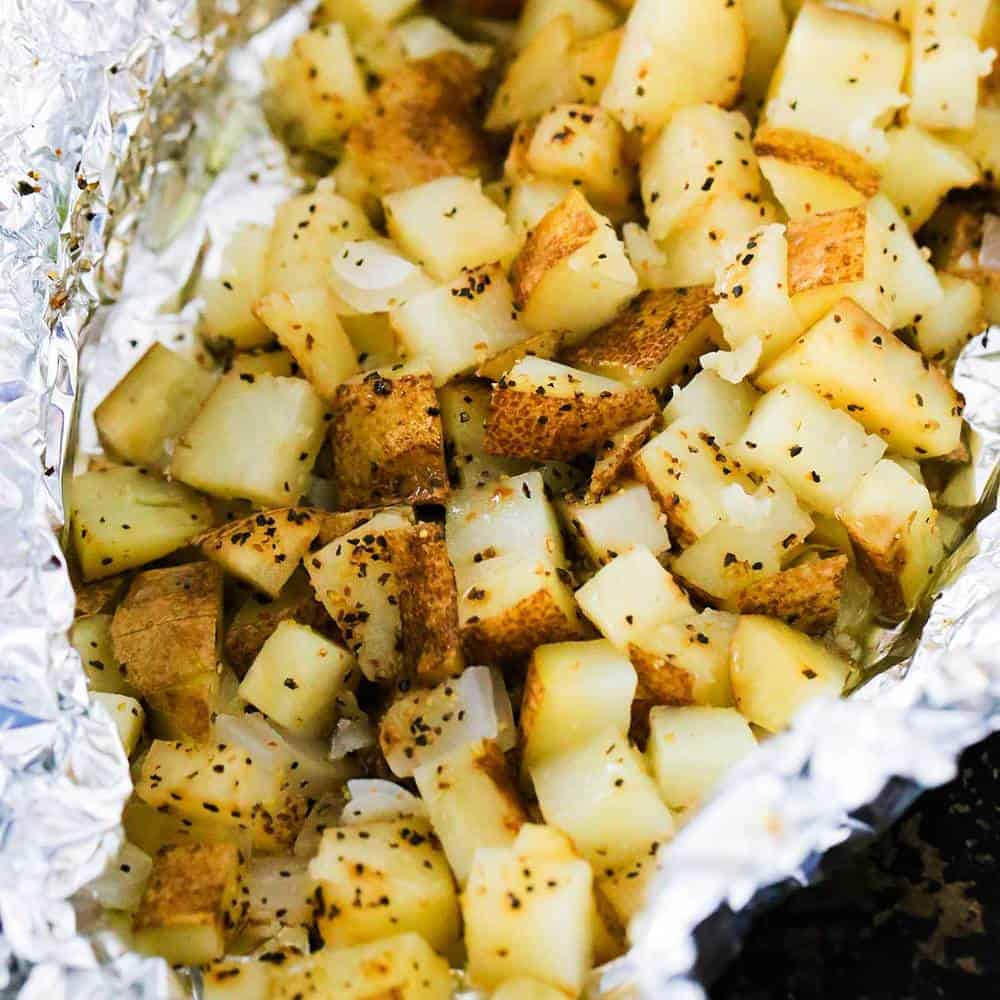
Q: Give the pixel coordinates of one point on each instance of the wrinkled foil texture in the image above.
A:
(129, 154)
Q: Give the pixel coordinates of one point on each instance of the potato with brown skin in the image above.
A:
(806, 596)
(388, 444)
(166, 635)
(428, 603)
(826, 249)
(423, 126)
(98, 597)
(614, 457)
(191, 903)
(655, 341)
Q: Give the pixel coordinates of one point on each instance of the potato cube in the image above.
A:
(767, 32)
(388, 445)
(264, 549)
(946, 328)
(691, 749)
(255, 438)
(422, 125)
(305, 322)
(448, 225)
(846, 95)
(357, 15)
(655, 341)
(472, 803)
(527, 911)
(225, 786)
(703, 153)
(428, 603)
(296, 678)
(589, 17)
(623, 887)
(809, 174)
(981, 142)
(318, 90)
(127, 715)
(99, 597)
(674, 55)
(270, 360)
(859, 366)
(523, 988)
(806, 596)
(151, 405)
(90, 636)
(594, 62)
(572, 273)
(403, 967)
(820, 452)
(422, 37)
(722, 408)
(585, 146)
(614, 460)
(573, 689)
(353, 579)
(531, 198)
(191, 903)
(827, 249)
(776, 669)
(227, 319)
(893, 527)
(622, 812)
(166, 634)
(542, 409)
(122, 517)
(379, 878)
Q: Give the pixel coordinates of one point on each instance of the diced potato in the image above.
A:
(585, 146)
(589, 17)
(893, 527)
(356, 15)
(308, 231)
(946, 328)
(403, 967)
(946, 63)
(296, 678)
(622, 812)
(422, 125)
(422, 37)
(272, 359)
(279, 891)
(123, 517)
(191, 903)
(151, 828)
(457, 327)
(388, 444)
(240, 978)
(702, 154)
(827, 250)
(545, 345)
(373, 339)
(127, 715)
(594, 62)
(165, 635)
(90, 636)
(249, 440)
(806, 596)
(848, 94)
(318, 90)
(448, 225)
(981, 142)
(820, 452)
(686, 470)
(226, 317)
(573, 689)
(655, 341)
(353, 579)
(376, 879)
(691, 749)
(859, 366)
(527, 912)
(531, 198)
(472, 803)
(428, 603)
(809, 174)
(98, 597)
(767, 31)
(151, 405)
(623, 887)
(572, 273)
(614, 459)
(722, 408)
(920, 170)
(243, 795)
(543, 409)
(617, 523)
(674, 55)
(305, 322)
(539, 78)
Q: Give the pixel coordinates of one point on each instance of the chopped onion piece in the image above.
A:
(372, 276)
(278, 891)
(422, 37)
(284, 939)
(353, 730)
(745, 510)
(121, 885)
(989, 252)
(734, 366)
(374, 800)
(324, 814)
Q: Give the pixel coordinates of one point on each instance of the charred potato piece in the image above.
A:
(806, 596)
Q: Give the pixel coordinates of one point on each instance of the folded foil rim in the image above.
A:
(95, 128)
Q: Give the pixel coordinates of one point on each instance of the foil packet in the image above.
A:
(129, 156)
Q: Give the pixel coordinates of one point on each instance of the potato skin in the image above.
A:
(422, 126)
(388, 443)
(614, 461)
(531, 622)
(660, 681)
(806, 596)
(803, 149)
(826, 249)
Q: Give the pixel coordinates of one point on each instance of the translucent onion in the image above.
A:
(374, 800)
(279, 891)
(372, 276)
(324, 814)
(353, 730)
(121, 885)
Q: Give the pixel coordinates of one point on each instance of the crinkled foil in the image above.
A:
(132, 145)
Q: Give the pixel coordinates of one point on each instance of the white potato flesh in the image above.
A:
(767, 31)
(946, 328)
(128, 716)
(721, 407)
(589, 17)
(530, 199)
(228, 298)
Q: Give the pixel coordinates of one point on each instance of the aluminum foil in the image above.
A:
(129, 153)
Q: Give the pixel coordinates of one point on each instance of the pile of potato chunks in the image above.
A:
(548, 451)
